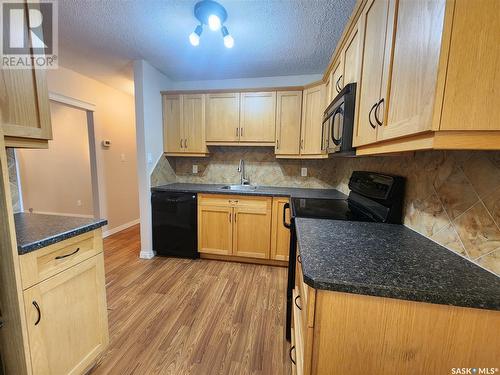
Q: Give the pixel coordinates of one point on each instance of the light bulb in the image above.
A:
(228, 41)
(194, 39)
(214, 22)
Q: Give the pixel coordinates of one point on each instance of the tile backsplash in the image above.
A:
(451, 197)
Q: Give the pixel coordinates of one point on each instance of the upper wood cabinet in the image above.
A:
(184, 125)
(350, 59)
(312, 137)
(373, 27)
(223, 117)
(24, 108)
(288, 120)
(472, 85)
(257, 116)
(336, 80)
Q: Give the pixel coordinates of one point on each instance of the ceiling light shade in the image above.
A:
(212, 14)
(214, 22)
(228, 39)
(194, 37)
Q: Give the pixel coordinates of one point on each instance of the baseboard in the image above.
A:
(119, 228)
(145, 254)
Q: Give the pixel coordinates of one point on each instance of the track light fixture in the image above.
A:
(212, 14)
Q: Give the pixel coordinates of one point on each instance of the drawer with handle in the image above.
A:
(41, 264)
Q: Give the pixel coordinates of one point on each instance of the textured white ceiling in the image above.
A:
(272, 38)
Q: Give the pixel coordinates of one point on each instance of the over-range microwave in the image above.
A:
(338, 122)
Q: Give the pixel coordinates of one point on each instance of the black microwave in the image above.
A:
(338, 122)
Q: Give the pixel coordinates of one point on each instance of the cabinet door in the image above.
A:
(215, 235)
(193, 123)
(24, 104)
(172, 124)
(351, 59)
(280, 235)
(373, 28)
(415, 60)
(288, 118)
(472, 94)
(67, 319)
(258, 117)
(336, 78)
(223, 117)
(252, 229)
(312, 119)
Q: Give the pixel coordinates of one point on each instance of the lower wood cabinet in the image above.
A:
(66, 313)
(242, 226)
(280, 235)
(234, 225)
(345, 333)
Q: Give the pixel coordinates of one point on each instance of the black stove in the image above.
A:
(373, 197)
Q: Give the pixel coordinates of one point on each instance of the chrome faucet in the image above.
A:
(241, 169)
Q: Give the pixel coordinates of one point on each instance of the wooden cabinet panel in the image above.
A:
(258, 117)
(193, 123)
(280, 235)
(172, 124)
(415, 61)
(70, 329)
(223, 117)
(252, 230)
(351, 59)
(288, 119)
(373, 28)
(312, 116)
(215, 229)
(472, 95)
(39, 265)
(336, 78)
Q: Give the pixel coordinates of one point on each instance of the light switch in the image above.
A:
(303, 172)
(195, 168)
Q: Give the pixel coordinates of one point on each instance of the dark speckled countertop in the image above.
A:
(34, 231)
(260, 191)
(389, 260)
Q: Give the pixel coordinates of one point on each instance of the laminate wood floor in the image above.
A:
(179, 316)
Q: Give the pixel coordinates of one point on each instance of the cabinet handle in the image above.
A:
(235, 217)
(286, 206)
(185, 143)
(296, 304)
(38, 311)
(376, 111)
(237, 132)
(370, 116)
(290, 355)
(241, 132)
(230, 217)
(337, 84)
(181, 143)
(299, 259)
(301, 144)
(67, 255)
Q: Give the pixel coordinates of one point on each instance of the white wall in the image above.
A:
(57, 180)
(281, 81)
(114, 119)
(148, 83)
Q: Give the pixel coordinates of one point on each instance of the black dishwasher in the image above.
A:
(174, 224)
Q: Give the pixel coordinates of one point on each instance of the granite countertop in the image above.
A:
(34, 231)
(260, 191)
(390, 260)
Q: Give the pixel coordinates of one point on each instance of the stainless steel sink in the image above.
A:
(239, 187)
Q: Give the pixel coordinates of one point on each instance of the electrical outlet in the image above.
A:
(195, 168)
(79, 203)
(123, 158)
(150, 158)
(303, 172)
